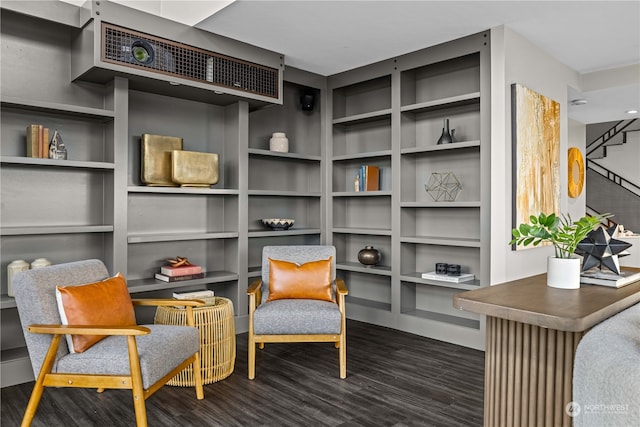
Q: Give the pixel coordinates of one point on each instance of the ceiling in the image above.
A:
(328, 37)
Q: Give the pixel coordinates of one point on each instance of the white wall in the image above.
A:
(516, 60)
(624, 159)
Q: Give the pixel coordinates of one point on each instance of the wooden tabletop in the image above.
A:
(531, 301)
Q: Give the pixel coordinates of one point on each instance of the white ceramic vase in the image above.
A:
(563, 273)
(14, 268)
(279, 142)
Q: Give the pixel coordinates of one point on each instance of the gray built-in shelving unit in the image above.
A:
(390, 114)
(94, 205)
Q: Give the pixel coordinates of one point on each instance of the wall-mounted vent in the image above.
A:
(143, 51)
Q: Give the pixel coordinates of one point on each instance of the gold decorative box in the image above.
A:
(193, 168)
(156, 159)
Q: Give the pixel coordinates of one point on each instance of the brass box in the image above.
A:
(156, 159)
(194, 169)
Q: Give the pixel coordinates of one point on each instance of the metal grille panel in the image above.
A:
(142, 51)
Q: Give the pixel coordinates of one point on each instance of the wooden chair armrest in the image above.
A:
(88, 330)
(255, 295)
(341, 287)
(168, 302)
(254, 286)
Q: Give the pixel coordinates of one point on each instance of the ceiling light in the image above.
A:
(578, 101)
(631, 111)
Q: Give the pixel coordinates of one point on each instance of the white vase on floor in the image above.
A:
(563, 273)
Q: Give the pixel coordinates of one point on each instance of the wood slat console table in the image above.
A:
(532, 334)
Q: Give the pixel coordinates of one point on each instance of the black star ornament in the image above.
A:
(600, 248)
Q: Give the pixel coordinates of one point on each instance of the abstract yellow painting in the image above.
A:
(535, 122)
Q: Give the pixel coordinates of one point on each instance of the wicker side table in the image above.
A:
(217, 339)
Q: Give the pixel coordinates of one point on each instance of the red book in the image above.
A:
(183, 270)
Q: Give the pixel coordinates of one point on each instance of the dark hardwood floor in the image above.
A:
(393, 379)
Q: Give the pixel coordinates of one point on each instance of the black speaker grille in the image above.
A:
(119, 46)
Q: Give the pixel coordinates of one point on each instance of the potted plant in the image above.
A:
(563, 269)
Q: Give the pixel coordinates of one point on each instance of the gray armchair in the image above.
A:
(300, 319)
(139, 358)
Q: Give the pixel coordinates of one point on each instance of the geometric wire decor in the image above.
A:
(443, 186)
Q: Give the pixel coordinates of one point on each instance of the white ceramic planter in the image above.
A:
(563, 273)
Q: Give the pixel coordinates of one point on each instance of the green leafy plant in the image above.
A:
(561, 231)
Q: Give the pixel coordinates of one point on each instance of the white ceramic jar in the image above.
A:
(279, 142)
(14, 268)
(40, 262)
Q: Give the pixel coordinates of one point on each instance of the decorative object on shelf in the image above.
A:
(441, 267)
(443, 186)
(278, 223)
(453, 136)
(368, 178)
(279, 142)
(37, 141)
(563, 270)
(156, 159)
(369, 256)
(179, 261)
(445, 138)
(193, 168)
(57, 149)
(576, 172)
(40, 263)
(453, 269)
(14, 268)
(536, 146)
(307, 99)
(206, 295)
(600, 249)
(462, 277)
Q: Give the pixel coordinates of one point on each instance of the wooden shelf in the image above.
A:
(365, 155)
(368, 231)
(151, 284)
(381, 270)
(454, 204)
(364, 117)
(361, 193)
(55, 229)
(461, 145)
(377, 305)
(442, 241)
(416, 277)
(290, 232)
(271, 193)
(284, 156)
(176, 237)
(57, 108)
(183, 190)
(34, 161)
(453, 101)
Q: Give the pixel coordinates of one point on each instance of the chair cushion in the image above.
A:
(297, 316)
(105, 303)
(311, 280)
(160, 351)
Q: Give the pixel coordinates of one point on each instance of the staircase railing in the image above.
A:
(613, 177)
(608, 135)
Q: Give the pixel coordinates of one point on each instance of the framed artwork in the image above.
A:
(535, 127)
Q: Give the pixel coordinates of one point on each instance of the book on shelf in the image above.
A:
(464, 277)
(368, 178)
(609, 278)
(33, 141)
(204, 293)
(165, 278)
(183, 270)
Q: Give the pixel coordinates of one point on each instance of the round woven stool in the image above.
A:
(217, 339)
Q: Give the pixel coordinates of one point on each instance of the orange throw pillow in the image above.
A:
(311, 280)
(105, 303)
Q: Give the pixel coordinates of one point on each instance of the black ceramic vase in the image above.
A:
(445, 138)
(369, 256)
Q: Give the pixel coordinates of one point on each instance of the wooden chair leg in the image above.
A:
(136, 383)
(252, 357)
(197, 376)
(38, 388)
(343, 355)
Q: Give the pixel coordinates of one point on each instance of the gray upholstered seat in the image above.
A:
(296, 320)
(162, 350)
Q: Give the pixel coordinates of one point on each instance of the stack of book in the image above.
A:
(464, 277)
(608, 278)
(179, 274)
(204, 295)
(368, 178)
(37, 141)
